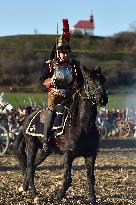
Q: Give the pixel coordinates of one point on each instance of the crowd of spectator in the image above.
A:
(105, 116)
(16, 117)
(128, 114)
(123, 120)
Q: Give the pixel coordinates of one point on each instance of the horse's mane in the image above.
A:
(74, 108)
(94, 73)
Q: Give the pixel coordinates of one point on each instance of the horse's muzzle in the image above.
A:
(103, 101)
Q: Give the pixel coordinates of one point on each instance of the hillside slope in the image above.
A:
(21, 57)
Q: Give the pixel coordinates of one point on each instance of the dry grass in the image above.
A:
(115, 180)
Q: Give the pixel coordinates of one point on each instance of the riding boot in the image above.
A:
(47, 129)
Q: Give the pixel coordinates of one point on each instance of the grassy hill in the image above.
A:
(21, 57)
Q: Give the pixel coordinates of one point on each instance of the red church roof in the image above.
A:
(84, 24)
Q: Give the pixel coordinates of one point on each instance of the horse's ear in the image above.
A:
(98, 69)
(85, 69)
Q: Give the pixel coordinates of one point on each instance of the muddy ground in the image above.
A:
(115, 180)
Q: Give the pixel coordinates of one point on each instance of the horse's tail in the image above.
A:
(19, 147)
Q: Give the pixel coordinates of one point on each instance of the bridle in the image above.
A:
(89, 95)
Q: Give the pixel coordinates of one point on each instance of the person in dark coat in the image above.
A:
(62, 76)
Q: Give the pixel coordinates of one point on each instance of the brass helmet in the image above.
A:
(62, 42)
(63, 45)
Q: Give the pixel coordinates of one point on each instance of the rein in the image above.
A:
(89, 96)
(88, 93)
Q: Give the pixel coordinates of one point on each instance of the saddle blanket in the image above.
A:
(36, 125)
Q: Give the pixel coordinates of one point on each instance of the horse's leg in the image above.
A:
(30, 171)
(41, 156)
(68, 159)
(25, 183)
(90, 162)
(19, 150)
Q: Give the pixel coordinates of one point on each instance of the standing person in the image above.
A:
(61, 75)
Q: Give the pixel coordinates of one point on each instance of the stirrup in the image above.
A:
(45, 146)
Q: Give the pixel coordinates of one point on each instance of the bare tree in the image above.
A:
(132, 26)
(36, 31)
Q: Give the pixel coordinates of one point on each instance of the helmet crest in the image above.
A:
(63, 40)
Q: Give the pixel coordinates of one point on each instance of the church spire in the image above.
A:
(92, 17)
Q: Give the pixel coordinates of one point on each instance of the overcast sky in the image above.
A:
(27, 16)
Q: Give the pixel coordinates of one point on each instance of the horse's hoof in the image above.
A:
(36, 200)
(93, 203)
(60, 196)
(21, 189)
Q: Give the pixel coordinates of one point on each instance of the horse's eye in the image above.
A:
(103, 79)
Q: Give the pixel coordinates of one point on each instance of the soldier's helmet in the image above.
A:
(62, 42)
(63, 45)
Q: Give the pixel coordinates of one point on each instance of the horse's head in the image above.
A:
(94, 86)
(4, 105)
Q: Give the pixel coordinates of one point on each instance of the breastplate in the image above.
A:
(62, 76)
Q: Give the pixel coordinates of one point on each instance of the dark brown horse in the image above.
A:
(81, 136)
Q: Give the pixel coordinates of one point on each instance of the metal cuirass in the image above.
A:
(62, 76)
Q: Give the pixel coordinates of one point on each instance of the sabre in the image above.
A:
(56, 53)
(56, 56)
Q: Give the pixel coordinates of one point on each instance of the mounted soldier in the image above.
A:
(62, 76)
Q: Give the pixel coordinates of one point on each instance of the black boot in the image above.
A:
(47, 129)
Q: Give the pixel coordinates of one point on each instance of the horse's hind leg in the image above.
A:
(19, 150)
(90, 162)
(41, 156)
(30, 171)
(68, 159)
